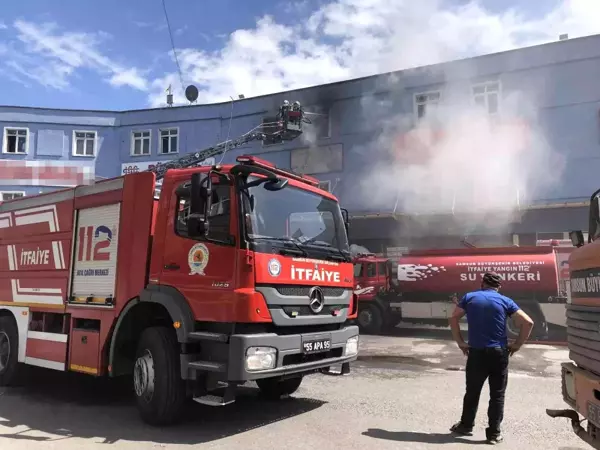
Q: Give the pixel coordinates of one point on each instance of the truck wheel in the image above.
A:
(274, 389)
(9, 350)
(540, 327)
(370, 319)
(159, 388)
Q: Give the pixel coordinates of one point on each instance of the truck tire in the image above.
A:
(540, 327)
(274, 389)
(9, 351)
(370, 318)
(158, 386)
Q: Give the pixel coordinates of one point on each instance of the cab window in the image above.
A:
(371, 270)
(219, 215)
(358, 270)
(381, 268)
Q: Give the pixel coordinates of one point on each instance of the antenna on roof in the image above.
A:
(169, 92)
(191, 93)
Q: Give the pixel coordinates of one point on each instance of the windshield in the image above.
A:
(294, 214)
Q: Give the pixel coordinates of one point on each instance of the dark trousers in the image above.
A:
(482, 364)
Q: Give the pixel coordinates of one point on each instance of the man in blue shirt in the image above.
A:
(488, 351)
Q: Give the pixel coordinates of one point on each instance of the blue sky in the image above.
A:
(117, 54)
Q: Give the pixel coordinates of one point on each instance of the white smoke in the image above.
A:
(460, 159)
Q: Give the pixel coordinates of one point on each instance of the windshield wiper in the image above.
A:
(345, 256)
(295, 250)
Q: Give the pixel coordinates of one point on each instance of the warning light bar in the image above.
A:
(258, 162)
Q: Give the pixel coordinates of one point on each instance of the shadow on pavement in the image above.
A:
(68, 405)
(414, 436)
(555, 333)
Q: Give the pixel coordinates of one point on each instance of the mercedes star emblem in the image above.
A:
(316, 299)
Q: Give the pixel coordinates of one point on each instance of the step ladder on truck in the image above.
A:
(228, 274)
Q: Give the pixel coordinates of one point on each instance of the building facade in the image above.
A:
(361, 128)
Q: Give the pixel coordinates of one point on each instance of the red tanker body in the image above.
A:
(423, 286)
(523, 270)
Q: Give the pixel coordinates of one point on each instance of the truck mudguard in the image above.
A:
(172, 300)
(175, 303)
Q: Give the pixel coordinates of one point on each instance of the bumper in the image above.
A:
(579, 388)
(290, 358)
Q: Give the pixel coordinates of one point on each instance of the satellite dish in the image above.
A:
(191, 93)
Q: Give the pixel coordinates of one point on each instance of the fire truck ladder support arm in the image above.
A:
(287, 127)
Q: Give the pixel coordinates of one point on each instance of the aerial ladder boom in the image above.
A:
(287, 127)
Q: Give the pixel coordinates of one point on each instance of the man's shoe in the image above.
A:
(463, 430)
(493, 439)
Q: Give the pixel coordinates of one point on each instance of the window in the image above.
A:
(320, 121)
(140, 143)
(358, 270)
(4, 196)
(426, 102)
(169, 141)
(381, 268)
(219, 214)
(487, 96)
(84, 143)
(16, 140)
(316, 160)
(371, 270)
(325, 185)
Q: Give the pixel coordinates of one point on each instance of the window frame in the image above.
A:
(371, 265)
(498, 93)
(74, 143)
(160, 141)
(133, 139)
(11, 192)
(321, 114)
(5, 140)
(183, 191)
(416, 103)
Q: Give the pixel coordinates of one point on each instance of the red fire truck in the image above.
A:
(232, 273)
(423, 286)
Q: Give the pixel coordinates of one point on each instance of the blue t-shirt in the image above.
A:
(487, 312)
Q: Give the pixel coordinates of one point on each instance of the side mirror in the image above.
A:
(196, 225)
(576, 238)
(346, 220)
(199, 194)
(200, 199)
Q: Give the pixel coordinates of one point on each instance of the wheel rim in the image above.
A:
(143, 376)
(4, 351)
(365, 318)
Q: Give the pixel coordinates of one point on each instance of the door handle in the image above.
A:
(172, 266)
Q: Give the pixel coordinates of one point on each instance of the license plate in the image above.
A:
(593, 413)
(316, 345)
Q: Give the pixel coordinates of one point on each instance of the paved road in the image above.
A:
(403, 394)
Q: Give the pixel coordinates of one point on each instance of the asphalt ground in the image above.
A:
(403, 393)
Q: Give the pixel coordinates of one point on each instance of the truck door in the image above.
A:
(203, 269)
(382, 279)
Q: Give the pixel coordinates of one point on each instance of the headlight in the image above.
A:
(352, 346)
(260, 358)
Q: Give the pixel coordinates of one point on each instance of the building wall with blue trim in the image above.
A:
(563, 77)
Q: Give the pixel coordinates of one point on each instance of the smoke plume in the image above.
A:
(459, 159)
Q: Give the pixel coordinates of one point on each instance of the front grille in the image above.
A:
(306, 311)
(301, 291)
(583, 335)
